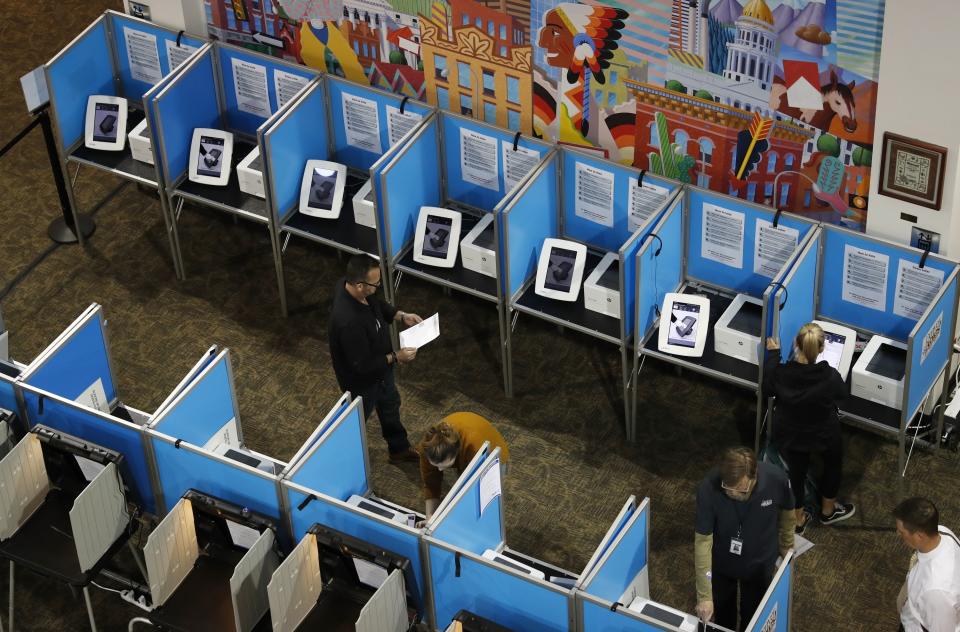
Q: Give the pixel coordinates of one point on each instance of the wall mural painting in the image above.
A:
(769, 100)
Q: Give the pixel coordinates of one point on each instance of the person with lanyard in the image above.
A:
(929, 600)
(362, 353)
(745, 519)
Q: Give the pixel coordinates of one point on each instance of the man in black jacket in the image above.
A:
(362, 352)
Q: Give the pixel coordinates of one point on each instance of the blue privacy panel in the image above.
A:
(8, 398)
(407, 184)
(132, 87)
(189, 101)
(83, 69)
(181, 469)
(336, 467)
(625, 560)
(531, 218)
(615, 529)
(300, 136)
(775, 611)
(205, 406)
(353, 155)
(330, 514)
(487, 590)
(241, 121)
(628, 292)
(464, 527)
(468, 192)
(77, 363)
(742, 279)
(932, 344)
(801, 297)
(597, 618)
(115, 434)
(589, 231)
(659, 274)
(832, 304)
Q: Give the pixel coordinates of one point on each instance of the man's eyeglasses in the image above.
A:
(373, 285)
(736, 490)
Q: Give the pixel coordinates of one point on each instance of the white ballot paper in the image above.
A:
(421, 333)
(489, 485)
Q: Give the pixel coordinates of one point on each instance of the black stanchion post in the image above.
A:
(62, 229)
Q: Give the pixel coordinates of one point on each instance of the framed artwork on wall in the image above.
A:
(912, 170)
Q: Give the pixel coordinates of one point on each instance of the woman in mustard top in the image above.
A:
(453, 442)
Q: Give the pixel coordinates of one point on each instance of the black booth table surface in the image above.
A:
(203, 601)
(120, 162)
(45, 545)
(457, 277)
(228, 197)
(342, 231)
(333, 613)
(573, 312)
(711, 360)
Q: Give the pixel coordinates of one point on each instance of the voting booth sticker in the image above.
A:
(771, 623)
(931, 337)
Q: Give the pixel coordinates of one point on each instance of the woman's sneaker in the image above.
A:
(802, 525)
(841, 511)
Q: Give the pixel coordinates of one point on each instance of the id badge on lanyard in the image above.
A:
(736, 545)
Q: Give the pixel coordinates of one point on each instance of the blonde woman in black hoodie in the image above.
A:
(805, 421)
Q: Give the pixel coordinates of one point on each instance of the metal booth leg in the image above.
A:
(10, 613)
(86, 598)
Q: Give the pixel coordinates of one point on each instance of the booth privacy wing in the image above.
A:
(604, 202)
(254, 86)
(195, 371)
(386, 611)
(481, 162)
(527, 220)
(733, 244)
(77, 364)
(83, 68)
(621, 572)
(171, 552)
(466, 523)
(187, 102)
(205, 409)
(475, 463)
(300, 135)
(773, 613)
(336, 465)
(859, 282)
(794, 294)
(26, 484)
(367, 122)
(99, 516)
(623, 519)
(408, 182)
(295, 586)
(248, 584)
(659, 267)
(338, 409)
(930, 345)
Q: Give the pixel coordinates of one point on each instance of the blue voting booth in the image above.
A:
(117, 55)
(9, 371)
(717, 246)
(606, 206)
(464, 165)
(70, 387)
(358, 126)
(877, 287)
(230, 89)
(330, 468)
(196, 442)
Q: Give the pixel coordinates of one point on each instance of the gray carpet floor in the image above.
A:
(572, 469)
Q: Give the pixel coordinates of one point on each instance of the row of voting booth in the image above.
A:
(531, 228)
(246, 541)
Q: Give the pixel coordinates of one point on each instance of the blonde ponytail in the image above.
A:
(809, 343)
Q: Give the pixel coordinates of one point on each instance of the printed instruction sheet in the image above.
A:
(479, 163)
(593, 194)
(865, 277)
(361, 122)
(287, 85)
(517, 164)
(721, 237)
(644, 201)
(398, 124)
(176, 55)
(489, 485)
(421, 333)
(143, 54)
(773, 246)
(250, 87)
(915, 289)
